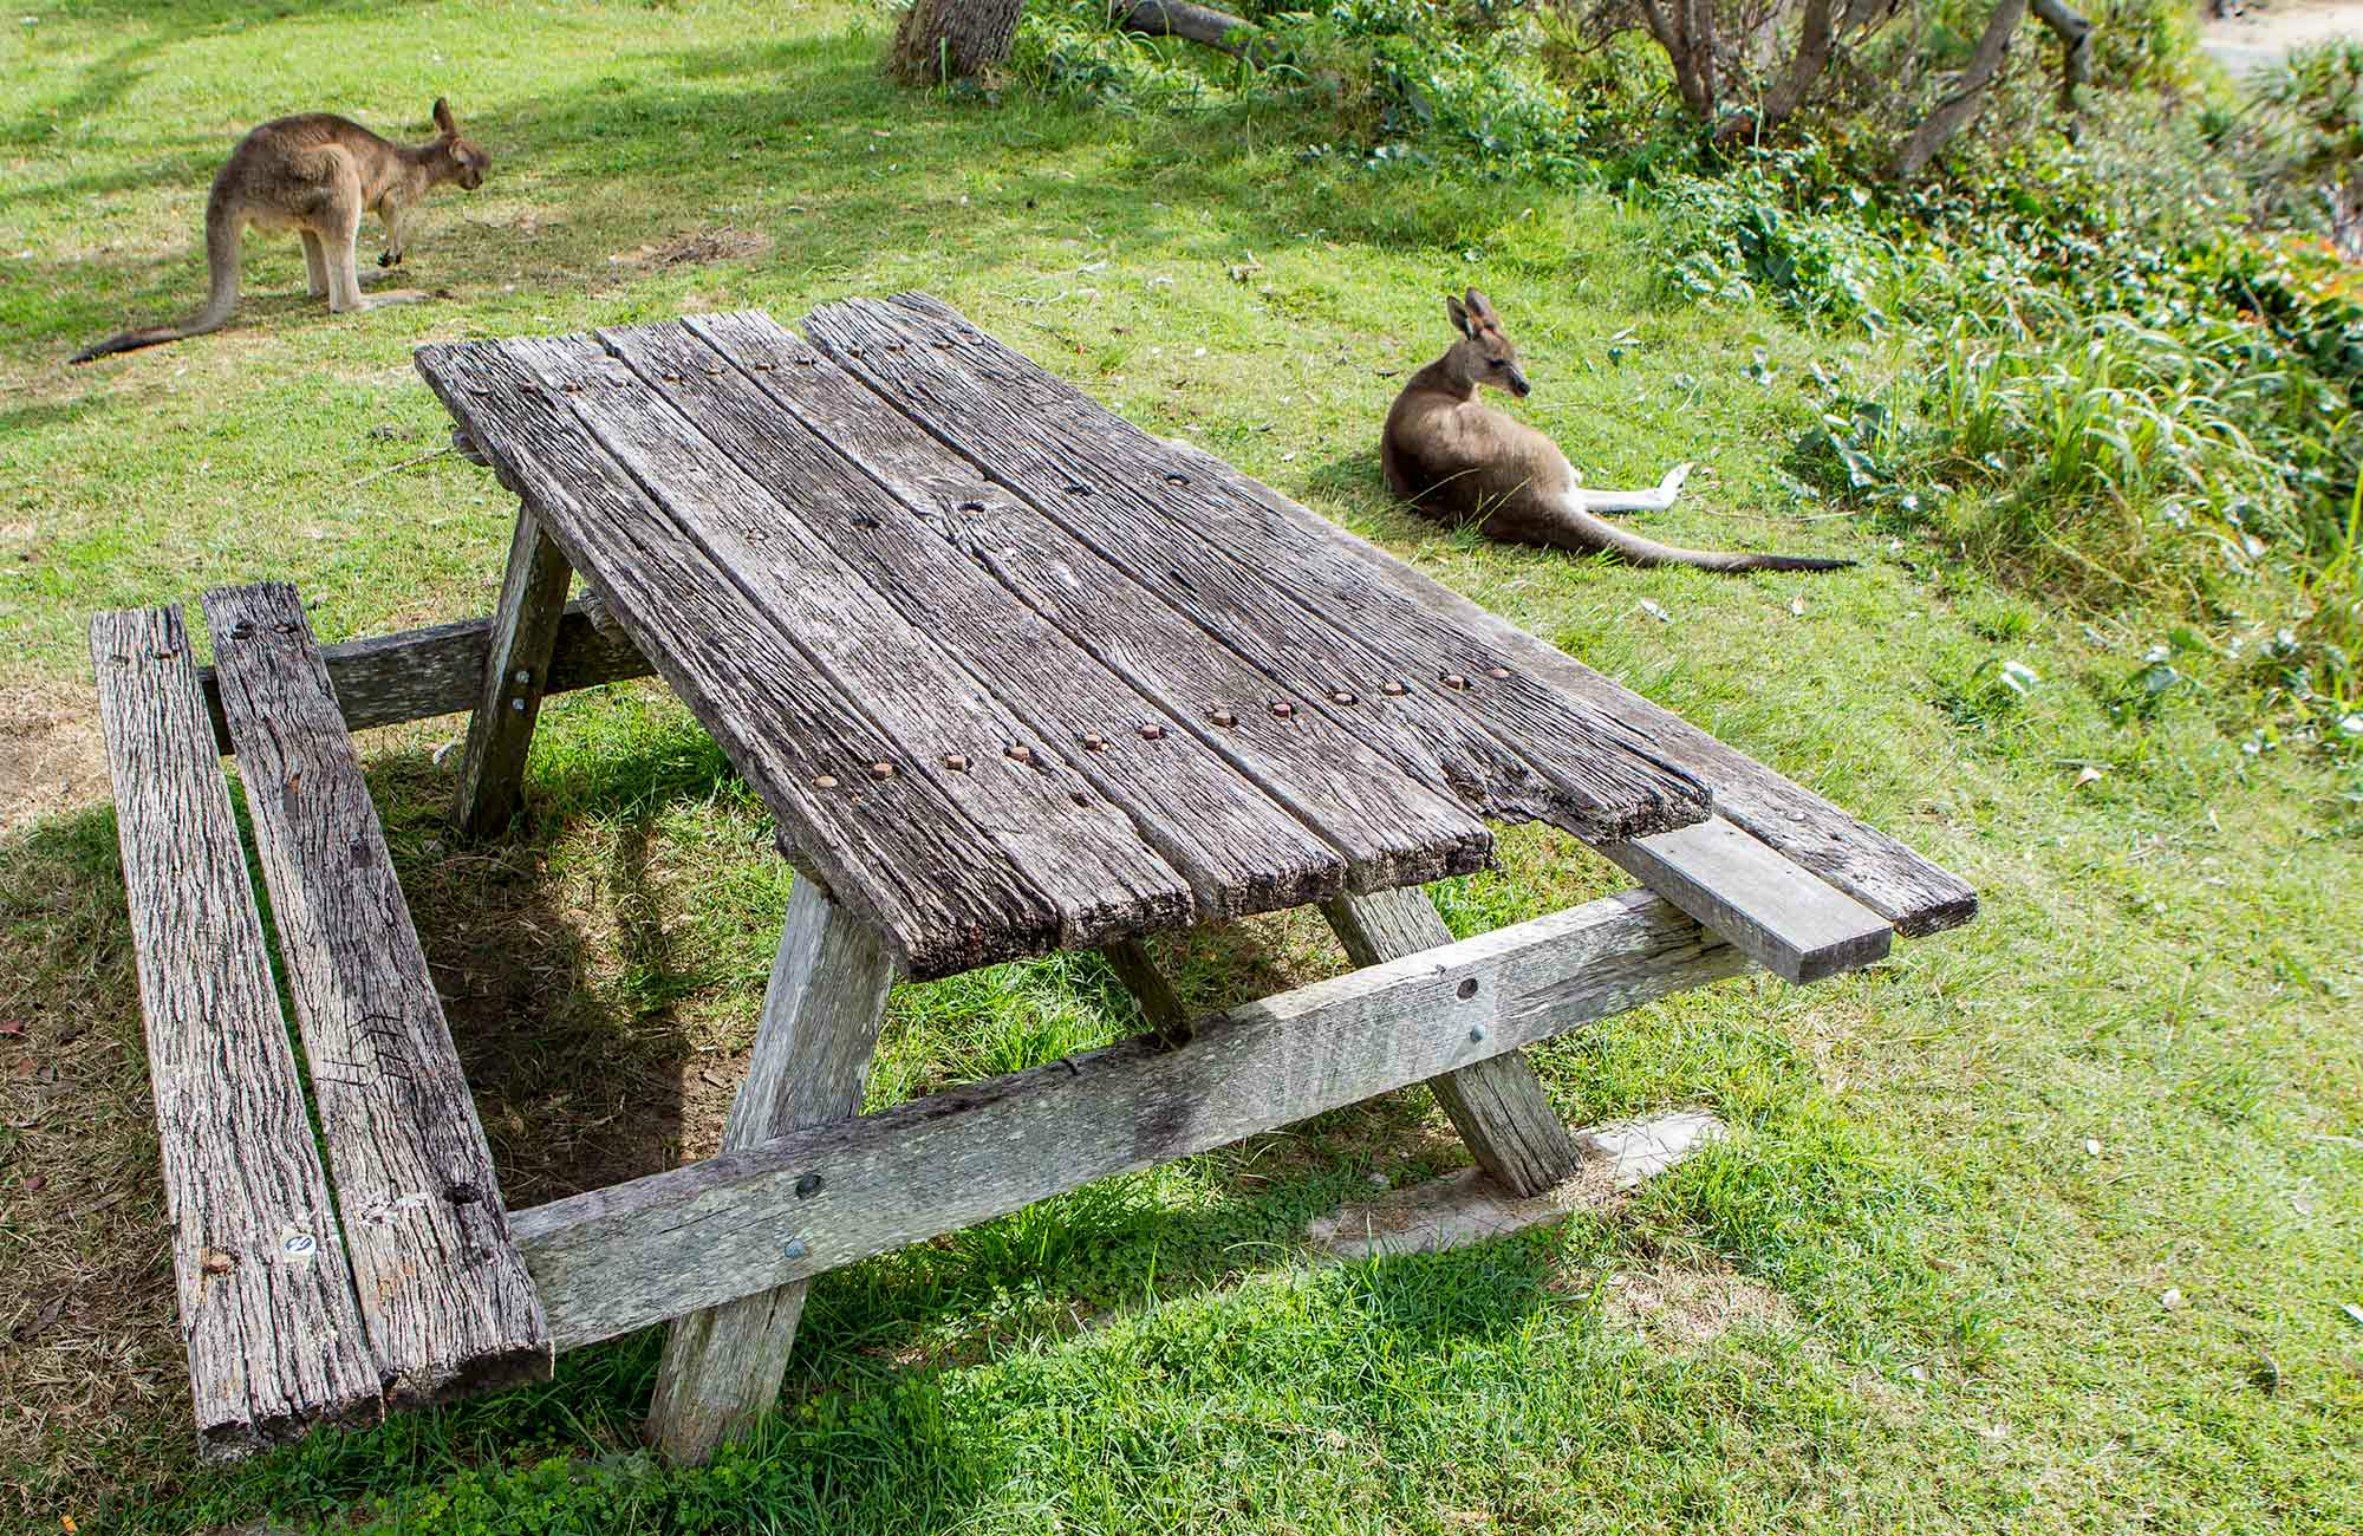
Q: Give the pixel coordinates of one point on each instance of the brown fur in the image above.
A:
(1457, 460)
(316, 175)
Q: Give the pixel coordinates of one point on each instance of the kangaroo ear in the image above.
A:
(443, 119)
(1479, 309)
(1458, 315)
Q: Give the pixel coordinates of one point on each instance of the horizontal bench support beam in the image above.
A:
(617, 1259)
(418, 674)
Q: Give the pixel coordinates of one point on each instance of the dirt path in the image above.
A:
(2265, 32)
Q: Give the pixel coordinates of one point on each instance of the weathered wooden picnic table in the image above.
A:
(1013, 676)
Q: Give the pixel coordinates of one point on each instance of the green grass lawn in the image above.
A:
(2042, 1225)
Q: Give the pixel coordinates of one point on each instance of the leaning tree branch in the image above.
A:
(1215, 29)
(2075, 47)
(1954, 110)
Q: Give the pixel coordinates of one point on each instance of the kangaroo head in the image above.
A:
(1483, 355)
(456, 158)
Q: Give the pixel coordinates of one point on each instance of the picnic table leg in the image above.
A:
(723, 1366)
(1498, 1105)
(516, 670)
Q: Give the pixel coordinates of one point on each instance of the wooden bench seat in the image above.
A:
(298, 1309)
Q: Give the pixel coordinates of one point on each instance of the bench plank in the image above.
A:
(1786, 920)
(1423, 691)
(1271, 802)
(894, 850)
(617, 1259)
(1080, 850)
(447, 1301)
(274, 1339)
(1914, 894)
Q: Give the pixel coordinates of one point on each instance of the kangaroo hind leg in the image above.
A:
(315, 265)
(344, 281)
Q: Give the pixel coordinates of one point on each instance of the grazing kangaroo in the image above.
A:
(1453, 458)
(316, 174)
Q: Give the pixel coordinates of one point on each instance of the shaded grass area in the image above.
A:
(1968, 1177)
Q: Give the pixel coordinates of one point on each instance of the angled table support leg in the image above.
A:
(1498, 1104)
(829, 983)
(516, 670)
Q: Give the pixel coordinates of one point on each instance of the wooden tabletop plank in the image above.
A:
(274, 1337)
(1457, 714)
(895, 850)
(1241, 851)
(1913, 893)
(449, 1307)
(1069, 840)
(1393, 829)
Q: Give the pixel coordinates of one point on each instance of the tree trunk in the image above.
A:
(945, 40)
(1685, 29)
(1218, 30)
(1958, 106)
(1816, 41)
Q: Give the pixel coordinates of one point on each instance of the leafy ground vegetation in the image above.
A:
(2051, 1224)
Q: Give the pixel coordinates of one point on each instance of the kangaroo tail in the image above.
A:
(221, 299)
(1613, 502)
(1573, 527)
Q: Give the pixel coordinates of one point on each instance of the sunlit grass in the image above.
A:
(1961, 1182)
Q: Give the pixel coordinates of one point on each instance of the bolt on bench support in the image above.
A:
(1498, 1104)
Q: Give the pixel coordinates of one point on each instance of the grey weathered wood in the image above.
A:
(903, 493)
(1161, 1007)
(447, 1303)
(1783, 917)
(893, 849)
(1460, 718)
(266, 1302)
(416, 674)
(620, 1258)
(1497, 1105)
(516, 673)
(1910, 891)
(1079, 849)
(829, 983)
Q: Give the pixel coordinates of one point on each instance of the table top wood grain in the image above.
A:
(1014, 675)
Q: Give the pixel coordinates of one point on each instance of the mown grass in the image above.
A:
(1963, 1181)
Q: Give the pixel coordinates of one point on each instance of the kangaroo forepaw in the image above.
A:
(390, 259)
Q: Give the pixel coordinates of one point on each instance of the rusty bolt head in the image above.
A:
(1152, 732)
(1392, 690)
(1283, 709)
(881, 770)
(824, 781)
(1341, 696)
(955, 762)
(1455, 680)
(1018, 754)
(1223, 717)
(1497, 672)
(1094, 741)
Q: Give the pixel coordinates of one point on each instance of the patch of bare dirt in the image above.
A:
(696, 247)
(1690, 1307)
(2264, 32)
(51, 759)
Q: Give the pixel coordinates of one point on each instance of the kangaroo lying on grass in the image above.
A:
(1455, 459)
(315, 174)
